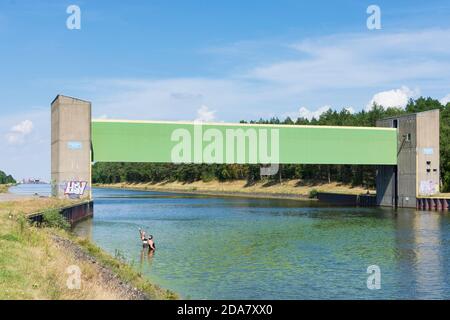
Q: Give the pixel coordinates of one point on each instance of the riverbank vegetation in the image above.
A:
(287, 190)
(4, 188)
(34, 261)
(5, 182)
(356, 175)
(6, 179)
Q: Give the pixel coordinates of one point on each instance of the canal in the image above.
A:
(241, 248)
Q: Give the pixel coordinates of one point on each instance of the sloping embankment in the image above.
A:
(290, 189)
(35, 262)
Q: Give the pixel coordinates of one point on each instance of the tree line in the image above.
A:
(6, 179)
(357, 175)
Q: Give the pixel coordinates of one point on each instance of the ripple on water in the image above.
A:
(228, 248)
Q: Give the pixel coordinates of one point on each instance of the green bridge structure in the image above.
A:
(152, 141)
(77, 141)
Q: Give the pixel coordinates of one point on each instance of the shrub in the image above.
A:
(207, 176)
(313, 194)
(119, 255)
(53, 219)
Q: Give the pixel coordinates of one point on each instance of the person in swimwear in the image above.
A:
(151, 243)
(143, 238)
(147, 242)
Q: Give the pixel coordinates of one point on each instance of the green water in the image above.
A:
(236, 248)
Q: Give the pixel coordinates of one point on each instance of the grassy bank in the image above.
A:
(4, 188)
(34, 261)
(292, 189)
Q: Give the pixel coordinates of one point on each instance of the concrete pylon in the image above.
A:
(417, 172)
(71, 148)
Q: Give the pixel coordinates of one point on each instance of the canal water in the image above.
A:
(239, 248)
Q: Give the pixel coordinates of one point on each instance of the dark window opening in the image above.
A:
(408, 137)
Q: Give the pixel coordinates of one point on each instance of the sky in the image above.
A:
(210, 60)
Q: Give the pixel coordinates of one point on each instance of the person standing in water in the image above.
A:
(143, 238)
(151, 243)
(147, 242)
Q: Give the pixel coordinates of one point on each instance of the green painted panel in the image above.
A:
(133, 141)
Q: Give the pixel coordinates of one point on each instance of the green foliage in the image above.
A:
(357, 175)
(9, 237)
(22, 224)
(125, 271)
(54, 219)
(6, 179)
(207, 175)
(119, 255)
(313, 194)
(445, 148)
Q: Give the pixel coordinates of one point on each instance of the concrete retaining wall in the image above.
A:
(348, 199)
(73, 214)
(438, 204)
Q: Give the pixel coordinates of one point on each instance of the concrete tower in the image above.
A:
(71, 148)
(417, 172)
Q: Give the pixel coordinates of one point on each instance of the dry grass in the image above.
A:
(32, 266)
(444, 195)
(240, 187)
(126, 272)
(4, 188)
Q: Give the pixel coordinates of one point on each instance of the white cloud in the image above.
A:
(392, 98)
(13, 139)
(26, 144)
(341, 69)
(361, 60)
(205, 115)
(309, 114)
(25, 127)
(18, 132)
(347, 67)
(445, 100)
(304, 112)
(155, 99)
(350, 109)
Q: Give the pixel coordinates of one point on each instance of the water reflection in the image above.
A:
(232, 248)
(146, 258)
(84, 228)
(428, 265)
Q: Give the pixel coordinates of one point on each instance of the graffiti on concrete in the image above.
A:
(75, 188)
(428, 187)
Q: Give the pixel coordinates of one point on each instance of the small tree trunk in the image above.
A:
(279, 172)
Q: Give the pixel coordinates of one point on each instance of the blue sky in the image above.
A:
(214, 60)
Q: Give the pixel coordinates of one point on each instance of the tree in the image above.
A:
(6, 179)
(357, 175)
(445, 147)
